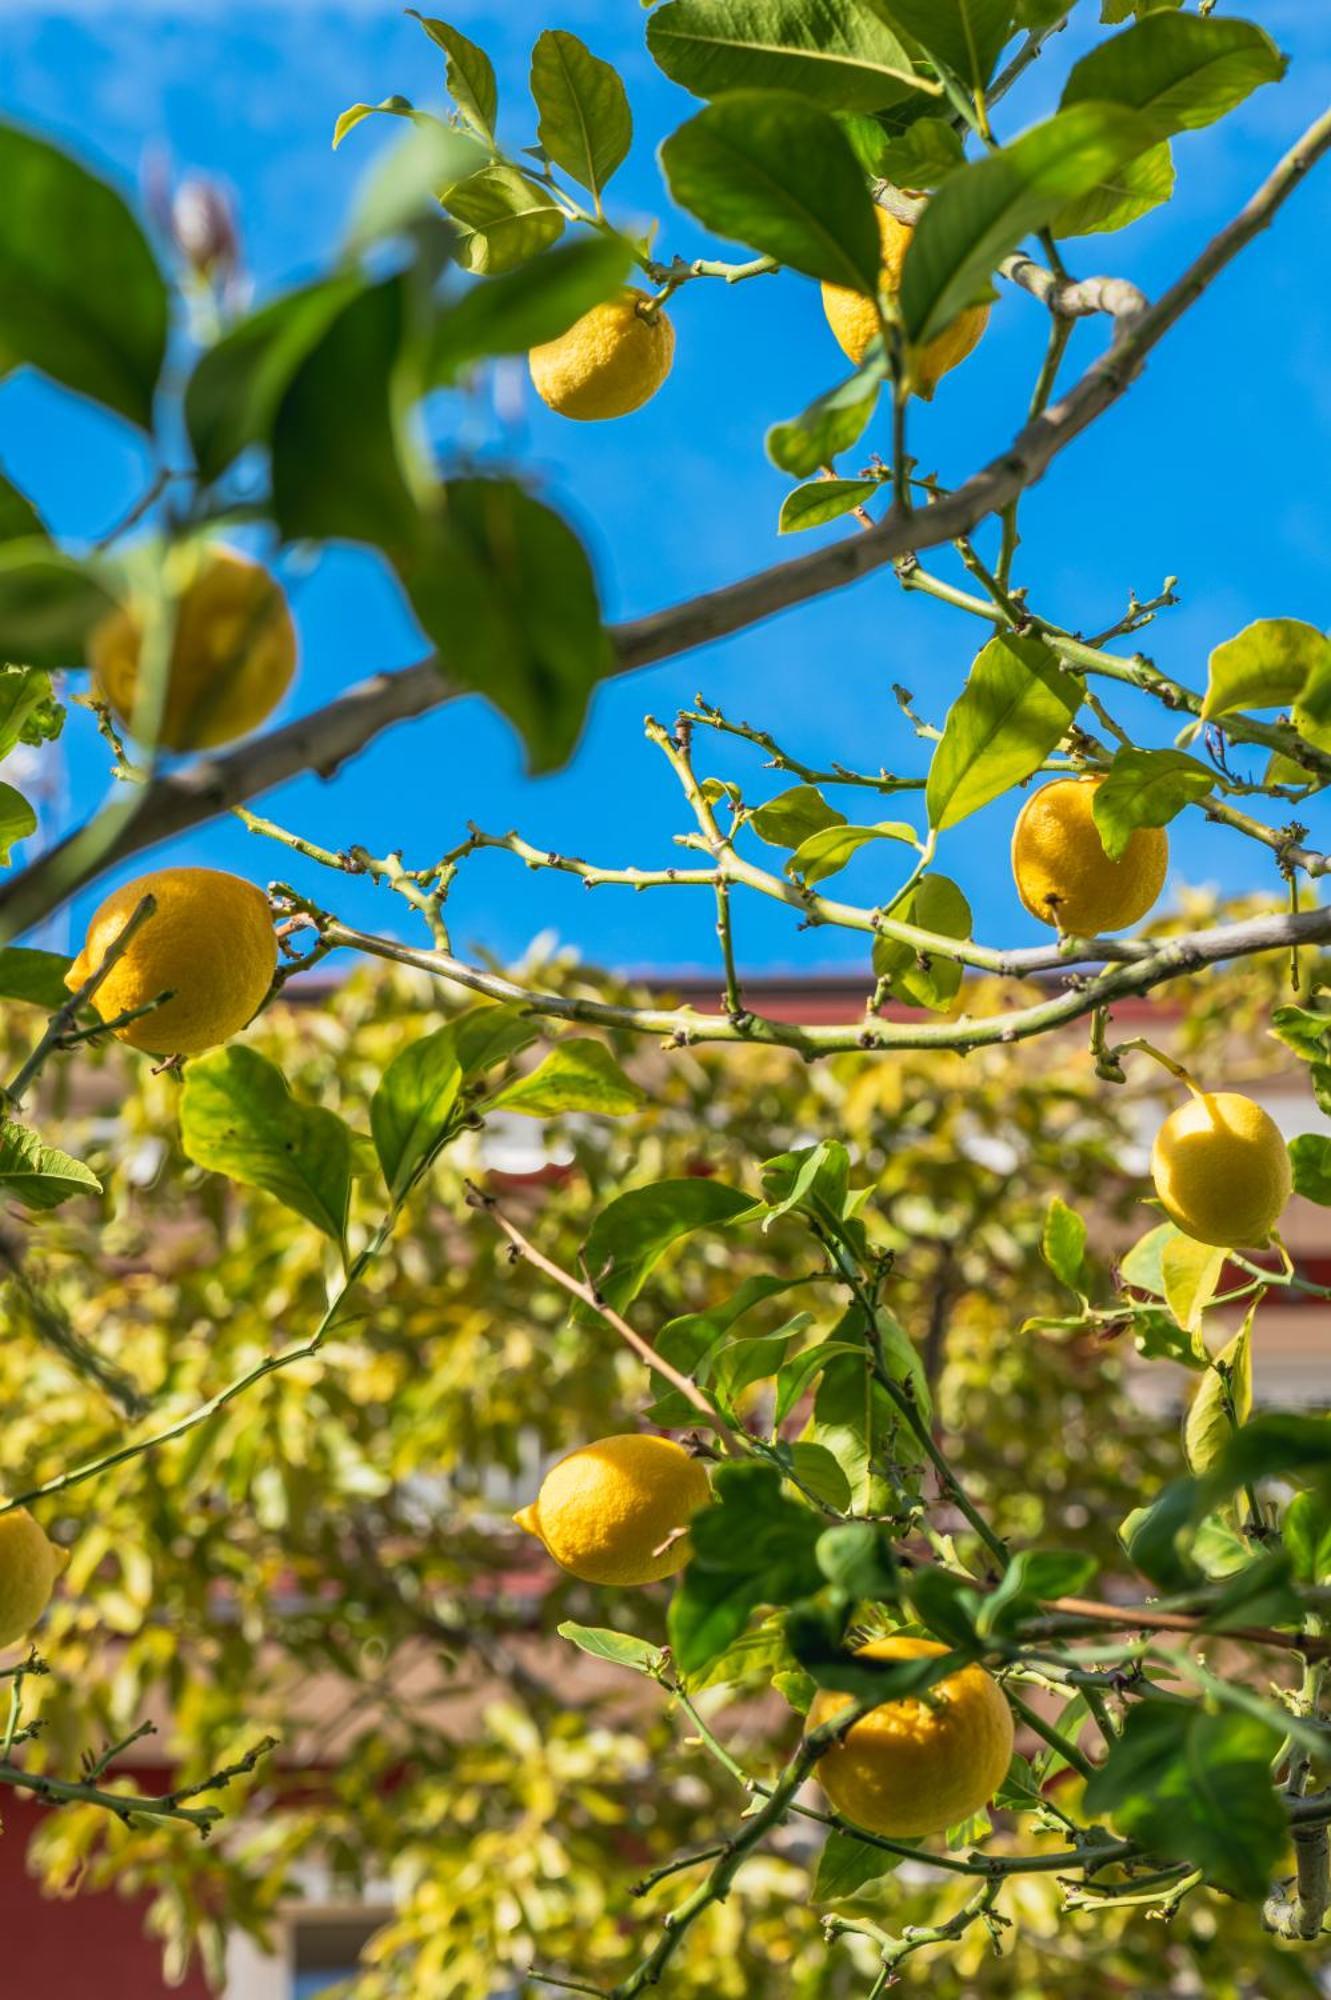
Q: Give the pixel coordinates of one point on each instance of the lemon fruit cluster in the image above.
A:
(609, 363)
(208, 942)
(1221, 1169)
(1063, 875)
(233, 651)
(854, 319)
(615, 1511)
(921, 1763)
(30, 1566)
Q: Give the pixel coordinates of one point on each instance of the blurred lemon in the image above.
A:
(854, 318)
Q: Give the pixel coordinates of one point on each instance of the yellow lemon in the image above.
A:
(611, 361)
(209, 942)
(29, 1566)
(232, 656)
(1221, 1169)
(854, 320)
(923, 1763)
(1063, 875)
(612, 1512)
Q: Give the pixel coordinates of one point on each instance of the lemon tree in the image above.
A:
(817, 1353)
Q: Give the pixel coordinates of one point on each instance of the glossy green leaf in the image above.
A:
(1177, 71)
(1129, 192)
(37, 1175)
(1146, 788)
(752, 1546)
(469, 74)
(982, 212)
(34, 976)
(412, 1109)
(49, 602)
(238, 1118)
(1063, 1243)
(620, 1648)
(503, 587)
(1196, 1786)
(1013, 711)
(585, 126)
(827, 852)
(17, 821)
(790, 818)
(965, 36)
(81, 297)
(1310, 1157)
(530, 305)
(831, 424)
(1031, 1580)
(633, 1232)
(934, 904)
(847, 1865)
(506, 218)
(765, 168)
(824, 500)
(577, 1075)
(837, 53)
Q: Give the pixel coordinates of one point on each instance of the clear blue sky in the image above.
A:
(1214, 468)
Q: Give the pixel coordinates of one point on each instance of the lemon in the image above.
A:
(612, 1512)
(854, 320)
(611, 361)
(29, 1566)
(209, 942)
(1063, 875)
(1221, 1169)
(232, 657)
(923, 1763)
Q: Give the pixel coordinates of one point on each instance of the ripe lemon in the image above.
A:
(923, 1763)
(209, 943)
(611, 361)
(1063, 875)
(1221, 1169)
(232, 656)
(29, 1567)
(608, 1510)
(854, 321)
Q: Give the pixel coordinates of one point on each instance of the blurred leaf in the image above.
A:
(38, 1175)
(35, 976)
(528, 306)
(1146, 788)
(634, 1231)
(1156, 1537)
(503, 587)
(29, 710)
(355, 114)
(841, 55)
(858, 1558)
(1014, 710)
(19, 519)
(507, 218)
(934, 904)
(766, 168)
(1129, 192)
(832, 423)
(1189, 1274)
(81, 297)
(826, 852)
(399, 194)
(847, 1864)
(824, 500)
(1032, 1579)
(965, 36)
(1306, 1530)
(585, 126)
(1196, 1786)
(49, 602)
(1275, 1445)
(1063, 1244)
(790, 818)
(751, 1546)
(620, 1648)
(17, 821)
(469, 74)
(238, 1117)
(1178, 71)
(1305, 1031)
(1222, 1402)
(577, 1075)
(1310, 1158)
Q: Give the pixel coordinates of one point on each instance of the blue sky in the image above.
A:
(1214, 469)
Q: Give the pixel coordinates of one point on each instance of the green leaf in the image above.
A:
(399, 196)
(1275, 663)
(824, 500)
(1143, 1265)
(1274, 1446)
(832, 423)
(688, 1340)
(982, 212)
(1063, 1243)
(1305, 1031)
(1178, 71)
(916, 155)
(794, 1377)
(764, 167)
(1310, 1157)
(839, 54)
(344, 481)
(1189, 1274)
(238, 1118)
(857, 1558)
(577, 1075)
(1306, 1531)
(585, 126)
(1225, 1387)
(847, 1865)
(29, 711)
(49, 602)
(81, 297)
(934, 904)
(528, 306)
(356, 114)
(790, 818)
(815, 1470)
(411, 1112)
(232, 396)
(486, 1035)
(1129, 192)
(506, 218)
(751, 1546)
(620, 1648)
(37, 977)
(965, 36)
(1014, 709)
(17, 821)
(1146, 788)
(1196, 1786)
(1156, 1537)
(469, 74)
(19, 519)
(634, 1231)
(827, 852)
(504, 589)
(1031, 1580)
(40, 1176)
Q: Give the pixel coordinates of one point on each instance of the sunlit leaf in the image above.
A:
(238, 1118)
